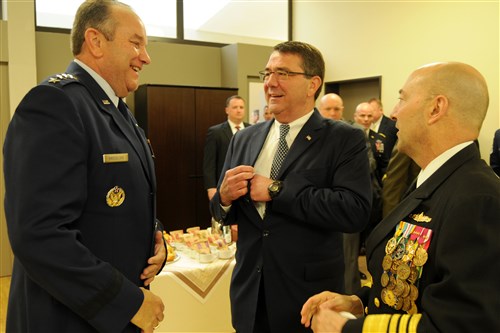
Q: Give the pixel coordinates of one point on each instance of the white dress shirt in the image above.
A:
(439, 161)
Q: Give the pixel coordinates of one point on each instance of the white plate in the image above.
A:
(177, 257)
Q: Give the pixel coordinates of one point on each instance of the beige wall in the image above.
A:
(5, 252)
(173, 64)
(371, 38)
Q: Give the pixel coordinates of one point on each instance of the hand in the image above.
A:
(332, 301)
(327, 320)
(150, 314)
(211, 193)
(155, 262)
(258, 188)
(310, 307)
(235, 184)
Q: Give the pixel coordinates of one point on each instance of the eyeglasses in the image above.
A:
(281, 74)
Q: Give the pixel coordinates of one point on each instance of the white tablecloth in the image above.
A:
(196, 296)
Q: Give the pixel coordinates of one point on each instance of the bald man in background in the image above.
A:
(331, 106)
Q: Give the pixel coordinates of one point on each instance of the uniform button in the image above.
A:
(265, 233)
(366, 310)
(377, 302)
(258, 269)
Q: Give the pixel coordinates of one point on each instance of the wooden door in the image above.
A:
(176, 120)
(210, 105)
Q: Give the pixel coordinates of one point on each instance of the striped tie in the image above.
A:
(281, 152)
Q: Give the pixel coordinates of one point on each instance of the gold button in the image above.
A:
(377, 302)
(366, 310)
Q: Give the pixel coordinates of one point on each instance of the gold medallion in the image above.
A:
(403, 271)
(384, 279)
(399, 289)
(391, 245)
(399, 304)
(387, 262)
(420, 257)
(115, 196)
(406, 304)
(413, 308)
(413, 275)
(392, 283)
(407, 289)
(413, 292)
(390, 299)
(395, 265)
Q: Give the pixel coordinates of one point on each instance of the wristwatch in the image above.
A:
(274, 188)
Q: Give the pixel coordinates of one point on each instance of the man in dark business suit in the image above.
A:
(217, 141)
(385, 127)
(291, 218)
(434, 259)
(80, 189)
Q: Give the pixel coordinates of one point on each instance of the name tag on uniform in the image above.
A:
(115, 158)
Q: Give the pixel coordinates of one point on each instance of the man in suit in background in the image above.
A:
(385, 127)
(267, 114)
(80, 189)
(217, 141)
(291, 216)
(495, 153)
(400, 174)
(331, 106)
(435, 257)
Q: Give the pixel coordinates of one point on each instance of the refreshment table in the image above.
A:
(196, 295)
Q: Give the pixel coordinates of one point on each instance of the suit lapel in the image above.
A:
(310, 133)
(257, 141)
(227, 131)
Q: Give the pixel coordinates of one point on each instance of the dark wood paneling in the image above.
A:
(176, 120)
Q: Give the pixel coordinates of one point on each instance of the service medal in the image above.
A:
(413, 292)
(115, 196)
(399, 289)
(420, 257)
(384, 279)
(388, 297)
(403, 271)
(387, 262)
(391, 245)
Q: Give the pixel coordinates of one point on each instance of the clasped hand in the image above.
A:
(321, 311)
(236, 181)
(155, 263)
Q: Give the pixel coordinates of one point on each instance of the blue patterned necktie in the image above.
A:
(281, 152)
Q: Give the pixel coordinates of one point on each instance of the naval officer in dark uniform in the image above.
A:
(80, 189)
(434, 259)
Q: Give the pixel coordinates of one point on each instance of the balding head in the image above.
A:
(331, 106)
(364, 114)
(441, 105)
(464, 87)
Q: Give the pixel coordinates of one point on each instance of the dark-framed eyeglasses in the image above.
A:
(281, 74)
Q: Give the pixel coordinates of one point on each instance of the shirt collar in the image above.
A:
(375, 126)
(101, 82)
(295, 126)
(439, 161)
(233, 125)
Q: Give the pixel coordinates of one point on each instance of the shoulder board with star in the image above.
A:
(62, 79)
